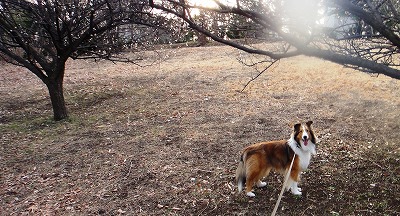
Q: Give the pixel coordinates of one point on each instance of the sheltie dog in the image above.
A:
(259, 159)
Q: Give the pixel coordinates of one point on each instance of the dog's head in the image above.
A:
(305, 137)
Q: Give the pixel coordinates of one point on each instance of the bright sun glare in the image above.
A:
(207, 3)
(203, 3)
(300, 15)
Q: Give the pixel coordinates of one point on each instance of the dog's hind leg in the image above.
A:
(251, 178)
(253, 173)
(261, 183)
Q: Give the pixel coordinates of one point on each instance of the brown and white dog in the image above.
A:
(259, 159)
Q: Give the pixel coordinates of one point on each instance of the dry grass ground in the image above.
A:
(165, 139)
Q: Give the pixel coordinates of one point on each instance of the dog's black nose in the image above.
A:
(305, 137)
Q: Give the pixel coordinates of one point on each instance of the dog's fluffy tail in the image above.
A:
(241, 173)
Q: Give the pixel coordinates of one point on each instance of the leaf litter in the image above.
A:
(165, 139)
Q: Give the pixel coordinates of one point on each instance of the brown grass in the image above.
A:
(165, 139)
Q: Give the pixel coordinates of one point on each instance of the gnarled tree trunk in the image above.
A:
(55, 88)
(54, 82)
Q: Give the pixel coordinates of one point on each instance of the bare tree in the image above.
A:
(41, 35)
(304, 29)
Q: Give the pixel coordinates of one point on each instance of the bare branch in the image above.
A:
(371, 50)
(259, 74)
(372, 19)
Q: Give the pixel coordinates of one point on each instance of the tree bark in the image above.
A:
(351, 60)
(201, 38)
(57, 99)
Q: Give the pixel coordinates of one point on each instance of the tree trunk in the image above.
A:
(55, 88)
(201, 38)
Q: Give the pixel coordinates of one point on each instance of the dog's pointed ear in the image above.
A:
(309, 123)
(297, 127)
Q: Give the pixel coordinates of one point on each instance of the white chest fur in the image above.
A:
(304, 154)
(305, 158)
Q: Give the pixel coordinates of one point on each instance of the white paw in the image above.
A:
(261, 184)
(299, 189)
(296, 192)
(250, 194)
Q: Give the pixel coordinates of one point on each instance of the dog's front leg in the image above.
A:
(295, 189)
(292, 186)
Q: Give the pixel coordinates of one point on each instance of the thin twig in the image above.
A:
(259, 74)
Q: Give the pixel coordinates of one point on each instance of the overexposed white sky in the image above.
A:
(211, 3)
